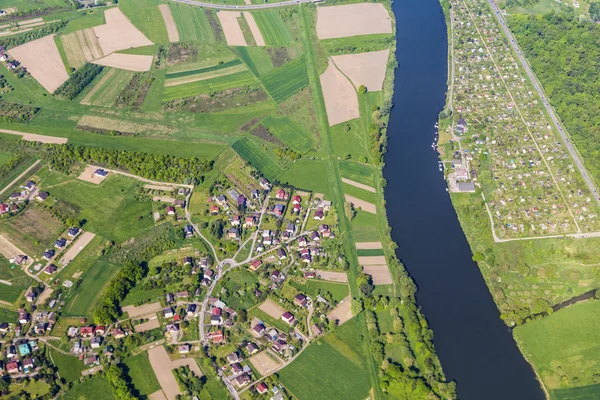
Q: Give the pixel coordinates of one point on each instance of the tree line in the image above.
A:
(21, 38)
(78, 81)
(14, 112)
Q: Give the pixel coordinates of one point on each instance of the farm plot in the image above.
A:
(162, 366)
(380, 274)
(341, 99)
(258, 38)
(209, 73)
(145, 309)
(332, 276)
(366, 69)
(141, 374)
(231, 27)
(256, 58)
(259, 159)
(218, 84)
(169, 23)
(8, 249)
(146, 17)
(362, 204)
(153, 323)
(81, 46)
(14, 281)
(289, 133)
(122, 125)
(265, 362)
(272, 27)
(118, 33)
(107, 90)
(342, 313)
(282, 83)
(272, 308)
(362, 173)
(84, 239)
(192, 23)
(359, 185)
(33, 230)
(96, 388)
(84, 298)
(352, 20)
(189, 72)
(369, 245)
(130, 62)
(43, 61)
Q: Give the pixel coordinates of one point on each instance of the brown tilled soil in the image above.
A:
(264, 363)
(352, 20)
(343, 311)
(272, 308)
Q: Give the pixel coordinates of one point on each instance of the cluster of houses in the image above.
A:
(19, 358)
(13, 204)
(536, 188)
(88, 341)
(7, 60)
(59, 246)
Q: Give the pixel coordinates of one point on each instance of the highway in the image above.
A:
(242, 6)
(555, 120)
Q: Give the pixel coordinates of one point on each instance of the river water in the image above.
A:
(475, 347)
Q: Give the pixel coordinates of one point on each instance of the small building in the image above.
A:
(60, 243)
(300, 300)
(96, 342)
(72, 232)
(251, 348)
(48, 254)
(466, 187)
(191, 310)
(118, 333)
(13, 367)
(170, 210)
(168, 312)
(216, 336)
(91, 360)
(255, 264)
(99, 330)
(86, 331)
(101, 173)
(31, 296)
(258, 330)
(188, 230)
(310, 275)
(184, 348)
(24, 349)
(50, 269)
(265, 184)
(169, 297)
(41, 196)
(262, 388)
(288, 318)
(233, 358)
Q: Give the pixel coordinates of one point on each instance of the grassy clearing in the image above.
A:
(313, 288)
(364, 227)
(308, 174)
(590, 392)
(35, 389)
(84, 260)
(107, 90)
(192, 23)
(564, 347)
(20, 281)
(348, 139)
(218, 84)
(289, 133)
(140, 51)
(358, 44)
(362, 173)
(96, 388)
(370, 252)
(331, 368)
(234, 281)
(141, 373)
(250, 151)
(69, 367)
(146, 16)
(256, 58)
(282, 83)
(33, 230)
(85, 297)
(272, 28)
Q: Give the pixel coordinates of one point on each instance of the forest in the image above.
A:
(565, 56)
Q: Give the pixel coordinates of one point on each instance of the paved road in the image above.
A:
(564, 135)
(242, 6)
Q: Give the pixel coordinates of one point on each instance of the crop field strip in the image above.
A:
(107, 90)
(244, 78)
(192, 23)
(256, 58)
(259, 159)
(181, 74)
(282, 83)
(289, 133)
(205, 76)
(272, 27)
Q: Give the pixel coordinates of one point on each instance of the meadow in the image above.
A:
(96, 388)
(69, 367)
(364, 226)
(84, 260)
(272, 28)
(589, 392)
(27, 5)
(20, 281)
(106, 91)
(84, 298)
(359, 193)
(142, 375)
(289, 133)
(197, 71)
(239, 79)
(234, 281)
(250, 151)
(192, 23)
(362, 173)
(282, 83)
(35, 389)
(146, 16)
(313, 288)
(308, 174)
(256, 58)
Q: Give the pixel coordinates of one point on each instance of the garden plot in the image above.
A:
(352, 20)
(272, 308)
(7, 249)
(206, 75)
(364, 68)
(265, 363)
(363, 205)
(123, 126)
(380, 274)
(153, 323)
(107, 90)
(172, 31)
(231, 27)
(372, 260)
(332, 276)
(135, 312)
(41, 58)
(84, 239)
(89, 175)
(359, 185)
(129, 62)
(258, 38)
(369, 245)
(341, 99)
(119, 33)
(343, 311)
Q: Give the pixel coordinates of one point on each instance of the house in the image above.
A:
(300, 300)
(12, 367)
(72, 232)
(319, 214)
(99, 330)
(236, 220)
(203, 263)
(191, 310)
(288, 318)
(233, 358)
(86, 331)
(30, 185)
(296, 200)
(60, 243)
(24, 349)
(302, 242)
(41, 196)
(265, 184)
(241, 380)
(281, 254)
(275, 276)
(168, 312)
(296, 208)
(184, 348)
(24, 318)
(48, 254)
(118, 333)
(214, 209)
(215, 337)
(216, 317)
(236, 369)
(261, 388)
(11, 351)
(279, 345)
(3, 208)
(91, 360)
(170, 210)
(50, 269)
(101, 173)
(258, 330)
(249, 222)
(77, 347)
(40, 328)
(281, 195)
(188, 230)
(255, 194)
(182, 295)
(278, 210)
(461, 126)
(251, 348)
(241, 200)
(169, 297)
(314, 236)
(255, 264)
(179, 203)
(316, 330)
(20, 259)
(305, 256)
(4, 327)
(325, 205)
(233, 234)
(96, 342)
(222, 200)
(31, 296)
(73, 331)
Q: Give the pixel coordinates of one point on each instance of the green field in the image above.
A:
(235, 281)
(359, 193)
(4, 157)
(146, 16)
(107, 90)
(590, 392)
(197, 71)
(282, 83)
(85, 297)
(250, 151)
(289, 133)
(308, 174)
(313, 288)
(27, 5)
(349, 142)
(69, 367)
(364, 227)
(33, 230)
(357, 172)
(84, 260)
(256, 58)
(141, 373)
(96, 388)
(20, 281)
(272, 28)
(370, 252)
(192, 23)
(331, 368)
(239, 79)
(34, 389)
(564, 347)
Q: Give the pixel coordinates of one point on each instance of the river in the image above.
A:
(475, 347)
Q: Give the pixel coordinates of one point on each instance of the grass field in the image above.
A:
(371, 252)
(349, 142)
(141, 373)
(364, 227)
(313, 288)
(289, 133)
(69, 367)
(35, 389)
(272, 27)
(359, 193)
(84, 260)
(107, 90)
(282, 83)
(362, 173)
(19, 279)
(331, 368)
(96, 388)
(146, 16)
(197, 71)
(33, 230)
(192, 23)
(250, 151)
(590, 392)
(308, 174)
(564, 346)
(85, 297)
(218, 84)
(234, 281)
(26, 5)
(256, 58)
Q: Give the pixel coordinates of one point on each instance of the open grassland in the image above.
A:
(359, 193)
(308, 174)
(272, 27)
(69, 367)
(256, 58)
(35, 389)
(192, 23)
(200, 55)
(258, 158)
(107, 90)
(146, 16)
(85, 297)
(218, 84)
(19, 280)
(33, 230)
(590, 392)
(96, 388)
(26, 5)
(142, 375)
(286, 81)
(364, 226)
(313, 288)
(362, 173)
(85, 260)
(564, 347)
(289, 133)
(331, 368)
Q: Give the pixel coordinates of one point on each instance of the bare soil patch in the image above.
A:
(264, 363)
(272, 308)
(158, 395)
(91, 371)
(43, 61)
(172, 31)
(162, 365)
(146, 326)
(7, 249)
(73, 50)
(32, 137)
(379, 273)
(163, 199)
(372, 260)
(258, 38)
(84, 239)
(365, 68)
(45, 295)
(231, 27)
(369, 245)
(118, 33)
(263, 133)
(363, 205)
(129, 62)
(135, 312)
(343, 311)
(89, 175)
(332, 276)
(352, 20)
(358, 185)
(341, 99)
(158, 187)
